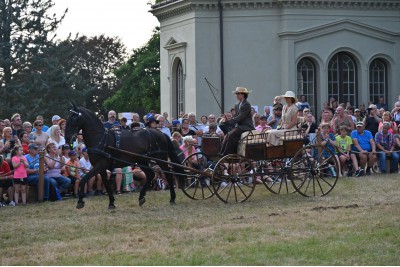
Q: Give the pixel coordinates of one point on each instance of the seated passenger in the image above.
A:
(288, 121)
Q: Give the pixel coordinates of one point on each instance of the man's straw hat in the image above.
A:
(241, 90)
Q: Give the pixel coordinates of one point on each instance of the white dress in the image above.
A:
(287, 115)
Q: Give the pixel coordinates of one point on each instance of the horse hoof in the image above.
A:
(172, 203)
(80, 205)
(142, 201)
(111, 207)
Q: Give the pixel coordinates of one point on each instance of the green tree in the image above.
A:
(26, 30)
(92, 66)
(39, 75)
(139, 88)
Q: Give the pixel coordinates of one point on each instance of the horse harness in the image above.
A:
(102, 146)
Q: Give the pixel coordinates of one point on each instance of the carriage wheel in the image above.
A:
(197, 186)
(314, 171)
(234, 178)
(275, 176)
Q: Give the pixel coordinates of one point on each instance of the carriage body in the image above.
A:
(211, 145)
(292, 166)
(253, 145)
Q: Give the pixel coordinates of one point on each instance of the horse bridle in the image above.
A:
(79, 117)
(102, 143)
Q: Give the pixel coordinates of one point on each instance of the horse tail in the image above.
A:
(175, 159)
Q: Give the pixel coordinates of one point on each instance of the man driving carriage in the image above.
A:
(242, 120)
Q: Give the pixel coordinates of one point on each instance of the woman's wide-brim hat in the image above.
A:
(290, 94)
(241, 90)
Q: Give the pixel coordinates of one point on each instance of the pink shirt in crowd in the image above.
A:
(19, 172)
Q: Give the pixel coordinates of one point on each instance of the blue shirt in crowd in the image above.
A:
(363, 140)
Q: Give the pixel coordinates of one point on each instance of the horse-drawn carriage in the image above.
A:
(289, 167)
(286, 168)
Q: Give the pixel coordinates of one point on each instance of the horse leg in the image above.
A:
(149, 177)
(82, 184)
(81, 190)
(107, 185)
(170, 179)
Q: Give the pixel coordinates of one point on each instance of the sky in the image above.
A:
(127, 19)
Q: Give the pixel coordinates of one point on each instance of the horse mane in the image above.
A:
(92, 116)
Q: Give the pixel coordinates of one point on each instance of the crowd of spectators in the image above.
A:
(359, 137)
(364, 138)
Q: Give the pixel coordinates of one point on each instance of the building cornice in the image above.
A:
(341, 25)
(341, 4)
(171, 8)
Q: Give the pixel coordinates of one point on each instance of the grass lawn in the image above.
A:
(358, 223)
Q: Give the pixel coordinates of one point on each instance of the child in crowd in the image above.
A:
(20, 165)
(72, 172)
(65, 149)
(344, 143)
(328, 141)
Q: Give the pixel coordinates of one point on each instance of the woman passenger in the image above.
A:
(288, 121)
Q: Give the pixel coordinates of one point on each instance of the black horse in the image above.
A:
(102, 146)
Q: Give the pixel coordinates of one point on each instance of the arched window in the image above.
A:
(378, 81)
(306, 81)
(342, 78)
(179, 82)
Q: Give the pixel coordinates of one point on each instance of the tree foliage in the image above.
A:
(92, 66)
(39, 75)
(139, 88)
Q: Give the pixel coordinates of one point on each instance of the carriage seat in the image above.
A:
(294, 134)
(252, 137)
(252, 144)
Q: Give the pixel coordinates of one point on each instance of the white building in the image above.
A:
(346, 49)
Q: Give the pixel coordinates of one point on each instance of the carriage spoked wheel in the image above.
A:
(234, 178)
(314, 171)
(275, 176)
(196, 185)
